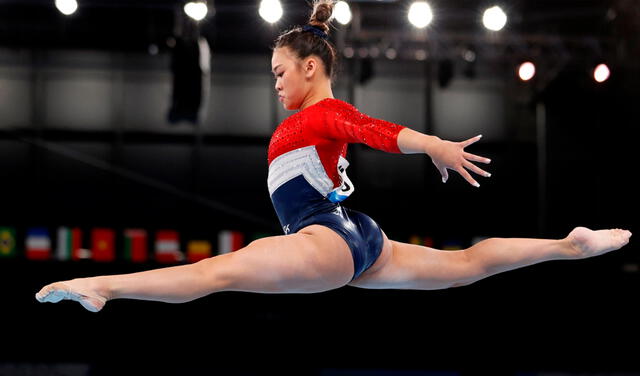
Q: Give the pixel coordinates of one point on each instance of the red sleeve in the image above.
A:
(352, 126)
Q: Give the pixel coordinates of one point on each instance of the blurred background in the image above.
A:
(134, 135)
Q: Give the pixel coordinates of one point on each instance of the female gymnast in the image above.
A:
(325, 245)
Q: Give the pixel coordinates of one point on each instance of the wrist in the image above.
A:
(430, 143)
(412, 142)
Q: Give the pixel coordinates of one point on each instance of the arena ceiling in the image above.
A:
(234, 26)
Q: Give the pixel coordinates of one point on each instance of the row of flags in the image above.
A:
(165, 248)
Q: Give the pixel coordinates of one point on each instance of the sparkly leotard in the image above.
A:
(307, 172)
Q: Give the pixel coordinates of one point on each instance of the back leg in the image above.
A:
(314, 259)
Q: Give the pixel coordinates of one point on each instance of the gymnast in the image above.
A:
(326, 245)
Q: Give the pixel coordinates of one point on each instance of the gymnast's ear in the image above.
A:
(310, 65)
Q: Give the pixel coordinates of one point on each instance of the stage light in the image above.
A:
(196, 10)
(391, 53)
(420, 14)
(342, 12)
(270, 10)
(348, 52)
(526, 71)
(67, 7)
(494, 18)
(601, 73)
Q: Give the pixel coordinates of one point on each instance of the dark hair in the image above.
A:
(305, 43)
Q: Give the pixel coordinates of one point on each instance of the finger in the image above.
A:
(468, 177)
(476, 169)
(444, 173)
(476, 158)
(471, 141)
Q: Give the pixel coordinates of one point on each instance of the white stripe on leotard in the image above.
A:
(303, 161)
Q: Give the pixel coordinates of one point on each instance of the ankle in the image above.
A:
(568, 249)
(101, 286)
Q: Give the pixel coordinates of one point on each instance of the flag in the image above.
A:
(421, 240)
(38, 244)
(229, 241)
(415, 239)
(168, 247)
(7, 242)
(69, 244)
(198, 250)
(135, 245)
(452, 245)
(103, 244)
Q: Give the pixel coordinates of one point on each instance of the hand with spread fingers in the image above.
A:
(447, 155)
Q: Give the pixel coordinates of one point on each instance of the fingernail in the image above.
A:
(444, 180)
(488, 175)
(480, 136)
(477, 185)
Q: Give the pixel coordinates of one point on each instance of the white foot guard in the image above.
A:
(58, 291)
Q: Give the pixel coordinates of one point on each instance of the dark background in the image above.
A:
(573, 317)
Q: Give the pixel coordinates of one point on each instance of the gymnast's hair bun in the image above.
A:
(322, 11)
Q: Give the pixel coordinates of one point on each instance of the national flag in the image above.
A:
(38, 244)
(135, 245)
(7, 242)
(452, 245)
(69, 244)
(229, 241)
(198, 250)
(415, 239)
(103, 244)
(426, 241)
(168, 247)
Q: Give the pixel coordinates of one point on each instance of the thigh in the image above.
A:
(410, 266)
(312, 260)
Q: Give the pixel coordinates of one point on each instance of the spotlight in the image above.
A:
(196, 10)
(270, 10)
(391, 53)
(420, 14)
(601, 73)
(526, 71)
(494, 18)
(342, 12)
(67, 7)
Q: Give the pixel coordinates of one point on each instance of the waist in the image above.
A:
(295, 200)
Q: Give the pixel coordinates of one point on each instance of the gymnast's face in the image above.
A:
(294, 77)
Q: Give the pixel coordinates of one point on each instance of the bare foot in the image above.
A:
(587, 243)
(75, 289)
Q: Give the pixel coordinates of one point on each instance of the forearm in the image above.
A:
(412, 142)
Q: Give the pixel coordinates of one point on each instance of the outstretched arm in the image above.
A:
(352, 126)
(444, 154)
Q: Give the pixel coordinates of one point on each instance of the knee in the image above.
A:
(217, 271)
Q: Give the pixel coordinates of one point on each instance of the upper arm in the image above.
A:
(352, 126)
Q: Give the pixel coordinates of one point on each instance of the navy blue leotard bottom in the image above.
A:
(298, 205)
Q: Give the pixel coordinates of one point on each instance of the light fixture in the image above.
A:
(420, 14)
(342, 12)
(67, 7)
(494, 18)
(601, 73)
(270, 10)
(526, 71)
(196, 10)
